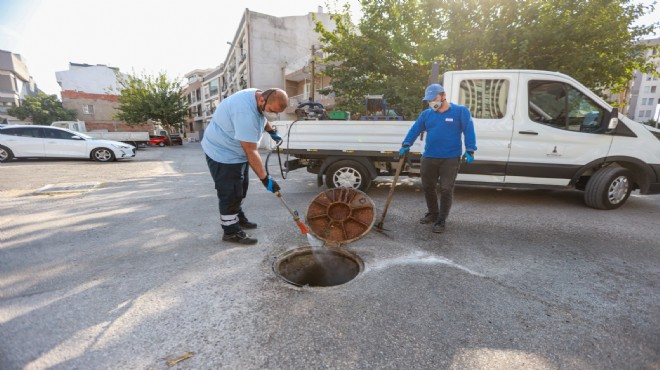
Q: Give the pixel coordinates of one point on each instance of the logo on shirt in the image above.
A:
(449, 120)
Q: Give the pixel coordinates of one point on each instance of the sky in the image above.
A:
(141, 36)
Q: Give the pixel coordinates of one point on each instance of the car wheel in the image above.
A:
(103, 155)
(5, 154)
(347, 174)
(161, 144)
(608, 188)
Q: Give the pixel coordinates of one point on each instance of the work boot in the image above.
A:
(429, 218)
(240, 237)
(439, 227)
(246, 224)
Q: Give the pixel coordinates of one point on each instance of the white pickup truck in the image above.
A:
(534, 129)
(133, 138)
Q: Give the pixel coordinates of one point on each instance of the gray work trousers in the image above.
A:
(446, 169)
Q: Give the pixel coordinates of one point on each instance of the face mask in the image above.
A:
(270, 116)
(435, 105)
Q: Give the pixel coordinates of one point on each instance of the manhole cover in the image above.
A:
(341, 215)
(318, 267)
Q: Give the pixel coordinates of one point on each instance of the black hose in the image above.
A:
(283, 172)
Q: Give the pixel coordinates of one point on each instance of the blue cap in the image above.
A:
(432, 91)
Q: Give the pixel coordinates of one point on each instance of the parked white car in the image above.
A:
(32, 141)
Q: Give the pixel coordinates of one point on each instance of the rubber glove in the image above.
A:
(404, 148)
(270, 184)
(468, 157)
(273, 135)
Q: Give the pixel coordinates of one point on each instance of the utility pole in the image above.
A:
(311, 93)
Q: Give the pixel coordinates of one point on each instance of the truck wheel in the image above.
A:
(347, 174)
(103, 155)
(161, 144)
(5, 154)
(608, 188)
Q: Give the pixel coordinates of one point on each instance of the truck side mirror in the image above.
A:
(611, 123)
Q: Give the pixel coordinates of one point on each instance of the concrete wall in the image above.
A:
(14, 63)
(91, 79)
(277, 42)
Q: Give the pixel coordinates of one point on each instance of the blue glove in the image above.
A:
(404, 148)
(468, 157)
(273, 135)
(270, 184)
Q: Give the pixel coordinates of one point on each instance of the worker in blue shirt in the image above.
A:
(230, 144)
(444, 123)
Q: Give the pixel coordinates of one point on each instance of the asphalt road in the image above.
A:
(132, 274)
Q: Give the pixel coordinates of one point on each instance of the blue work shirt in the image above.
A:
(443, 138)
(236, 119)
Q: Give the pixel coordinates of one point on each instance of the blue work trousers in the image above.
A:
(231, 184)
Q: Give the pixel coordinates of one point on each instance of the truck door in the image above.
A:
(490, 97)
(556, 131)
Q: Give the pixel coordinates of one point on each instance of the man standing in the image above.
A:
(444, 123)
(230, 144)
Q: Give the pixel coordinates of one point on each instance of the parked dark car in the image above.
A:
(176, 139)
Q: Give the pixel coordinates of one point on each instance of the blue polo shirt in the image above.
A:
(443, 138)
(236, 119)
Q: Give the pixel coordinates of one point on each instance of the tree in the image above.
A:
(390, 50)
(144, 98)
(42, 109)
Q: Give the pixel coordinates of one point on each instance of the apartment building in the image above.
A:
(15, 84)
(211, 93)
(304, 81)
(93, 92)
(645, 92)
(266, 51)
(193, 92)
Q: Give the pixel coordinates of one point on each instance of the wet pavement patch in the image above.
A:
(80, 187)
(318, 266)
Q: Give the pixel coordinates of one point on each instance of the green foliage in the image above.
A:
(390, 50)
(42, 109)
(144, 98)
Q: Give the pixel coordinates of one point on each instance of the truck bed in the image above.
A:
(345, 136)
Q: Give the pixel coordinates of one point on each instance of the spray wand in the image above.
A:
(294, 214)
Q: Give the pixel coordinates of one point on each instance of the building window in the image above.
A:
(650, 101)
(213, 85)
(652, 89)
(88, 109)
(647, 89)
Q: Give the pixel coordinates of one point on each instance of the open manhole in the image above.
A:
(318, 267)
